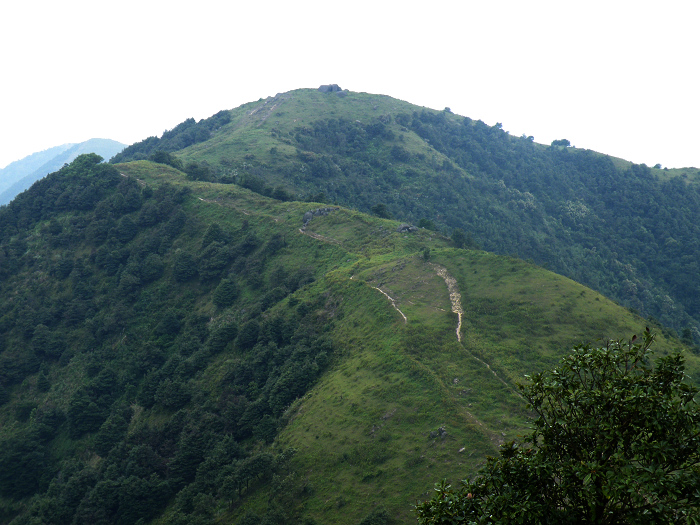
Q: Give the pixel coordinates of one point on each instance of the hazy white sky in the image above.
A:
(613, 76)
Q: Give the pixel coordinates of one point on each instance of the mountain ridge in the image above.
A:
(594, 218)
(20, 175)
(15, 170)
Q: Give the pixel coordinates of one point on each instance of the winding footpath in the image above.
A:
(391, 299)
(393, 303)
(456, 300)
(455, 296)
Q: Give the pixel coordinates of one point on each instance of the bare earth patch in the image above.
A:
(455, 296)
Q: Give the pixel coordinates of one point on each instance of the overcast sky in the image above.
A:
(613, 76)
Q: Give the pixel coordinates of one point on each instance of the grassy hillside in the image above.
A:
(179, 351)
(626, 230)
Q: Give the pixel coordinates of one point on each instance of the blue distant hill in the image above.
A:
(20, 175)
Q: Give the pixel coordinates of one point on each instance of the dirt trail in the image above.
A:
(455, 296)
(391, 299)
(393, 303)
(456, 300)
(321, 238)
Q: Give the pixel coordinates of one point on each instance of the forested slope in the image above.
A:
(110, 350)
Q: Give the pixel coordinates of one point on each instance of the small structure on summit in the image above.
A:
(330, 88)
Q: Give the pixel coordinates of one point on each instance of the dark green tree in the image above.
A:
(184, 267)
(126, 229)
(83, 414)
(561, 142)
(163, 157)
(214, 233)
(151, 268)
(172, 394)
(427, 224)
(42, 382)
(459, 238)
(213, 260)
(111, 432)
(198, 171)
(22, 460)
(190, 453)
(400, 153)
(616, 440)
(222, 335)
(225, 294)
(281, 194)
(380, 210)
(248, 335)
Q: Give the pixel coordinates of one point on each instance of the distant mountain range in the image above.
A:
(20, 175)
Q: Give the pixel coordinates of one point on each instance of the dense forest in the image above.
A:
(102, 279)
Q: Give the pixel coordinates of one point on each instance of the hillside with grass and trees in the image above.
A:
(626, 230)
(289, 314)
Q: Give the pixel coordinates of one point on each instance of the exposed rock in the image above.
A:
(389, 414)
(330, 88)
(404, 228)
(318, 212)
(440, 432)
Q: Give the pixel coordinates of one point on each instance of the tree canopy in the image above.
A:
(561, 142)
(615, 440)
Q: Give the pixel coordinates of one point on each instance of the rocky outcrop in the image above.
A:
(330, 88)
(440, 432)
(318, 212)
(405, 228)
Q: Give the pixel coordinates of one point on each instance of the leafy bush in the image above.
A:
(184, 267)
(225, 293)
(615, 440)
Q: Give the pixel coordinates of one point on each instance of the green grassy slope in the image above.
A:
(389, 394)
